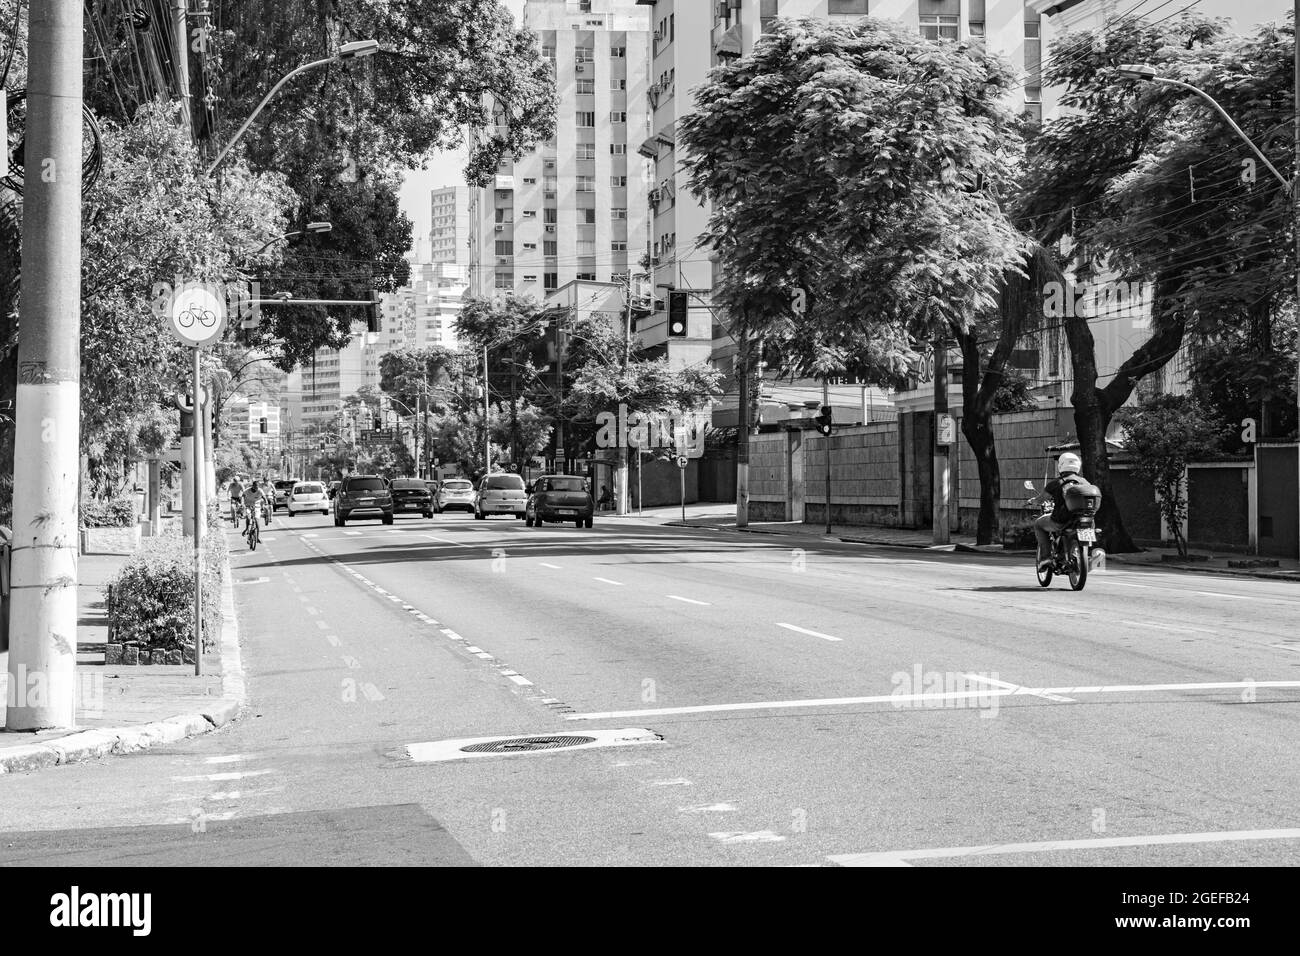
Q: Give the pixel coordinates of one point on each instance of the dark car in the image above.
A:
(283, 489)
(411, 495)
(363, 496)
(559, 498)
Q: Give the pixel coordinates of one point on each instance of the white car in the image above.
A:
(454, 493)
(501, 494)
(308, 496)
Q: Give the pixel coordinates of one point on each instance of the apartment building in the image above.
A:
(256, 423)
(424, 311)
(319, 388)
(449, 226)
(575, 208)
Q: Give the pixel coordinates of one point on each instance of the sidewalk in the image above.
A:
(121, 709)
(722, 517)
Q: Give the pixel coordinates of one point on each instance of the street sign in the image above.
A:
(947, 430)
(198, 313)
(682, 461)
(559, 454)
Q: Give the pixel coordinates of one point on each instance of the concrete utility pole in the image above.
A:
(826, 401)
(1295, 198)
(181, 62)
(487, 430)
(941, 463)
(43, 648)
(742, 442)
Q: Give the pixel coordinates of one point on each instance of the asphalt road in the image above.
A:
(817, 704)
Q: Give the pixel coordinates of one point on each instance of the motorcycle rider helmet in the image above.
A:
(1068, 463)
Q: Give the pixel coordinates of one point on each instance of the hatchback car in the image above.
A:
(363, 496)
(454, 493)
(500, 494)
(560, 498)
(283, 489)
(308, 496)
(411, 495)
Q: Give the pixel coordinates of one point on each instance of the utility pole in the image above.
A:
(826, 401)
(742, 443)
(487, 431)
(623, 500)
(1295, 199)
(181, 62)
(941, 465)
(43, 647)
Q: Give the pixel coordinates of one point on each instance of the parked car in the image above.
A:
(283, 489)
(334, 489)
(411, 494)
(308, 496)
(454, 493)
(559, 498)
(500, 494)
(363, 496)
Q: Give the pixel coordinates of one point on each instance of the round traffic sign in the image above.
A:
(681, 461)
(198, 313)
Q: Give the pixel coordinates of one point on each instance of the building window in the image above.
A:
(549, 53)
(617, 83)
(505, 280)
(618, 246)
(618, 149)
(586, 120)
(583, 54)
(672, 25)
(586, 86)
(618, 52)
(505, 247)
(586, 150)
(618, 181)
(935, 27)
(618, 212)
(588, 216)
(1033, 94)
(550, 248)
(617, 116)
(1031, 31)
(586, 276)
(977, 28)
(550, 280)
(586, 247)
(856, 7)
(586, 184)
(548, 215)
(505, 215)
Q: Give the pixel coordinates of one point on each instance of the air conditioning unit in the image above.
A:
(658, 36)
(499, 228)
(722, 10)
(550, 228)
(652, 94)
(655, 196)
(581, 68)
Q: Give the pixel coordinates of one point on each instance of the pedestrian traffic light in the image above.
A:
(824, 420)
(261, 425)
(677, 306)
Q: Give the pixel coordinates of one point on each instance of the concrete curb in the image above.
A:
(101, 742)
(1233, 572)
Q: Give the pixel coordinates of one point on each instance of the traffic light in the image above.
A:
(261, 425)
(824, 420)
(322, 444)
(378, 423)
(374, 311)
(677, 306)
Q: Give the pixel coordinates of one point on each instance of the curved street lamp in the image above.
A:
(348, 51)
(311, 227)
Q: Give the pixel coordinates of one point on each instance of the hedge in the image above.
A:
(151, 599)
(118, 513)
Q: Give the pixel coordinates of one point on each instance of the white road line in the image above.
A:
(709, 808)
(608, 581)
(232, 775)
(1168, 627)
(553, 567)
(520, 680)
(1236, 597)
(231, 758)
(758, 836)
(673, 782)
(900, 857)
(687, 600)
(474, 650)
(434, 537)
(333, 639)
(1123, 584)
(254, 581)
(352, 532)
(322, 625)
(956, 695)
(980, 678)
(804, 630)
(452, 634)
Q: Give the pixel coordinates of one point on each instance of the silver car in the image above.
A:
(454, 493)
(501, 494)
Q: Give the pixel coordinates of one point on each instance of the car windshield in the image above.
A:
(284, 485)
(500, 482)
(366, 484)
(307, 489)
(410, 483)
(456, 486)
(564, 484)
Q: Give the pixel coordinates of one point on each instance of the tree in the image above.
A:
(1162, 435)
(1148, 184)
(428, 374)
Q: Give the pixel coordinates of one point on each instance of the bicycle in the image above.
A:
(253, 532)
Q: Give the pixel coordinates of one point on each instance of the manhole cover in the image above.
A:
(517, 744)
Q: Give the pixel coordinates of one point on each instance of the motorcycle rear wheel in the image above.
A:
(1078, 566)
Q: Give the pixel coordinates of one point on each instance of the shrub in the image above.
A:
(151, 601)
(117, 513)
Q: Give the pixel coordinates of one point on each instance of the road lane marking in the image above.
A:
(434, 537)
(352, 532)
(231, 758)
(804, 630)
(1237, 597)
(254, 581)
(333, 639)
(758, 836)
(231, 775)
(371, 692)
(322, 625)
(687, 600)
(1168, 627)
(709, 808)
(982, 695)
(553, 567)
(900, 857)
(608, 581)
(980, 678)
(312, 611)
(672, 782)
(520, 680)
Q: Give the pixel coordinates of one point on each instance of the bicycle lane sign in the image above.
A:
(198, 313)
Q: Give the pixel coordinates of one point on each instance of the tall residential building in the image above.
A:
(245, 421)
(449, 226)
(320, 387)
(683, 52)
(424, 311)
(576, 207)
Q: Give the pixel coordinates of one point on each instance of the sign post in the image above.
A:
(198, 314)
(682, 461)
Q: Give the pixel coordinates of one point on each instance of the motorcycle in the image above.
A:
(1073, 549)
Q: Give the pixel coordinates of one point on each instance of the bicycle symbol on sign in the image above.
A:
(195, 313)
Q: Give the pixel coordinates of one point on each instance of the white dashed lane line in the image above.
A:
(804, 630)
(608, 581)
(553, 567)
(687, 600)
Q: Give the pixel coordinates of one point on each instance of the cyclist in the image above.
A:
(236, 499)
(254, 501)
(1068, 467)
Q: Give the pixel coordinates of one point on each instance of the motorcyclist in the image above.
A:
(1068, 467)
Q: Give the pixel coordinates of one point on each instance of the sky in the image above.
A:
(444, 169)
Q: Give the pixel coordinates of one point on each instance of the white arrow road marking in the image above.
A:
(900, 857)
(758, 836)
(804, 630)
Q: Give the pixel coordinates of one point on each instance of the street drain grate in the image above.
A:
(520, 744)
